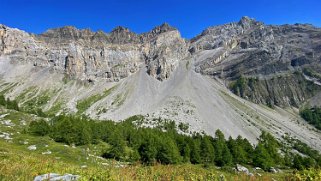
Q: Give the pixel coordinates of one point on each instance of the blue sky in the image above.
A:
(190, 17)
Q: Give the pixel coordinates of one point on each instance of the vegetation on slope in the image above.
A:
(282, 90)
(130, 142)
(17, 164)
(312, 116)
(311, 73)
(163, 152)
(84, 104)
(9, 104)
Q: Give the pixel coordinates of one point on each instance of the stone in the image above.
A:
(104, 164)
(273, 170)
(241, 168)
(48, 152)
(32, 147)
(7, 123)
(3, 115)
(56, 177)
(222, 177)
(23, 123)
(6, 136)
(250, 174)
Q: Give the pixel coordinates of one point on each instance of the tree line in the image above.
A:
(129, 142)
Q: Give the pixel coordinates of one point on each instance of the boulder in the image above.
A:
(7, 123)
(5, 136)
(257, 168)
(241, 168)
(32, 147)
(48, 152)
(56, 177)
(273, 170)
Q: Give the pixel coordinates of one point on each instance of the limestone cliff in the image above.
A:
(252, 49)
(87, 55)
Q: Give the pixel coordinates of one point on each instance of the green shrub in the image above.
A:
(39, 128)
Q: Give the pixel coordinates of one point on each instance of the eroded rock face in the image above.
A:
(84, 54)
(164, 50)
(252, 49)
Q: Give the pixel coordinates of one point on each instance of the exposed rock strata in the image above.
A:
(84, 54)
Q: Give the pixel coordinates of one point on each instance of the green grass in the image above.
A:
(19, 163)
(29, 92)
(39, 100)
(84, 104)
(119, 100)
(55, 108)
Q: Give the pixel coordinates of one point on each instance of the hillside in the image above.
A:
(241, 77)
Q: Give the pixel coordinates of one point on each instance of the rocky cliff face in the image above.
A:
(88, 55)
(282, 90)
(163, 51)
(254, 50)
(246, 48)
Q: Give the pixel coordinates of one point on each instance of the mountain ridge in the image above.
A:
(161, 74)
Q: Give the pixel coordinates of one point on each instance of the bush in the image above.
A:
(312, 116)
(8, 103)
(39, 128)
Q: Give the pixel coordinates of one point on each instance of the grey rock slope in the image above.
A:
(160, 74)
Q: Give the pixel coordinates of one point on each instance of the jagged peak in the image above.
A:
(165, 27)
(3, 26)
(247, 22)
(246, 19)
(68, 28)
(100, 32)
(120, 29)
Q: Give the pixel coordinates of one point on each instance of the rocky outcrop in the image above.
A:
(281, 90)
(164, 50)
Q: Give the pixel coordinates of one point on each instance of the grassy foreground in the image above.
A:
(18, 164)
